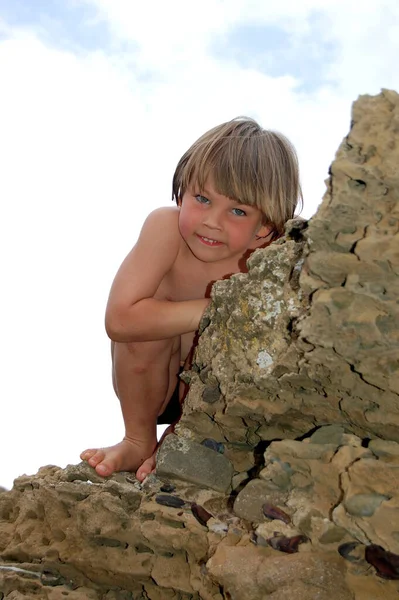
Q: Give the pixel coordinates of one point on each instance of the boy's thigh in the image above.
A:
(151, 351)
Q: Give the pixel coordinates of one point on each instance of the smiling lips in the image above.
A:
(209, 241)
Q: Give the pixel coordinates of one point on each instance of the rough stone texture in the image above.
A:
(112, 537)
(254, 573)
(296, 381)
(187, 460)
(311, 335)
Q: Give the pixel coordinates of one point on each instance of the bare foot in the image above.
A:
(148, 465)
(128, 455)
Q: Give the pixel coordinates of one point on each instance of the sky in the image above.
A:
(98, 101)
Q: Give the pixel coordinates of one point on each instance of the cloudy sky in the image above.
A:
(98, 100)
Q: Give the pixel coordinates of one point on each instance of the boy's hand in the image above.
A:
(202, 306)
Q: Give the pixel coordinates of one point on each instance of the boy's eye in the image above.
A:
(239, 212)
(201, 199)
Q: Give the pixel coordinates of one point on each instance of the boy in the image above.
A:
(234, 188)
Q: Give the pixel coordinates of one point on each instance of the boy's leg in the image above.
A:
(148, 465)
(144, 376)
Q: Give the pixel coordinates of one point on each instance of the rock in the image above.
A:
(384, 448)
(385, 563)
(369, 508)
(184, 459)
(168, 488)
(332, 343)
(200, 514)
(352, 551)
(274, 512)
(211, 394)
(255, 573)
(213, 445)
(169, 500)
(166, 571)
(364, 505)
(289, 545)
(250, 501)
(331, 434)
(238, 480)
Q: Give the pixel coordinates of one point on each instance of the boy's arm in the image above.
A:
(133, 314)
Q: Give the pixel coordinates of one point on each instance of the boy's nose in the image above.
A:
(212, 220)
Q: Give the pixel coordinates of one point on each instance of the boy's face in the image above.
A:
(217, 228)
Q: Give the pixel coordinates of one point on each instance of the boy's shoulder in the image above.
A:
(163, 221)
(164, 214)
(161, 230)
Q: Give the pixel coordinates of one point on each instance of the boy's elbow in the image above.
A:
(115, 328)
(126, 323)
(113, 332)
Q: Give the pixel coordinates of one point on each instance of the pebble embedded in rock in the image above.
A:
(286, 544)
(258, 540)
(168, 488)
(211, 394)
(385, 563)
(213, 445)
(249, 501)
(364, 505)
(274, 512)
(52, 579)
(172, 501)
(328, 434)
(350, 551)
(201, 514)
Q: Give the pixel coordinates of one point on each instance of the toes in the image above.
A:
(146, 468)
(96, 458)
(104, 469)
(86, 454)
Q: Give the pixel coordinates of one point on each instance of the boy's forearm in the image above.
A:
(151, 319)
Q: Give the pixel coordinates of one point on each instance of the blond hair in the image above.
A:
(248, 164)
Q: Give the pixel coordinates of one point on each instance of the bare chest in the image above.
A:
(191, 279)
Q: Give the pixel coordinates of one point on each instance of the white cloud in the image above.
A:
(88, 146)
(169, 34)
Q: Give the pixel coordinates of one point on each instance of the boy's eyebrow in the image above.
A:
(231, 199)
(239, 202)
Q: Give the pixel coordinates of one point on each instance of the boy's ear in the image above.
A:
(264, 231)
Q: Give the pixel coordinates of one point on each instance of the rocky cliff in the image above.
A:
(282, 480)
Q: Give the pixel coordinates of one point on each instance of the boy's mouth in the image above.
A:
(209, 241)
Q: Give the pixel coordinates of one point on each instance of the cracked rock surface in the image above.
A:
(282, 479)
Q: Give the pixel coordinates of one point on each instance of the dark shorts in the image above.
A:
(172, 412)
